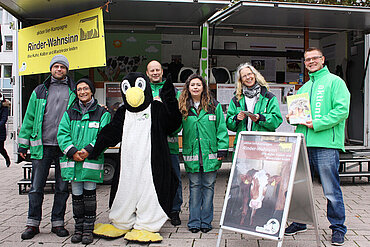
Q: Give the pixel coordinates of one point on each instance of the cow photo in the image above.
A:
(257, 195)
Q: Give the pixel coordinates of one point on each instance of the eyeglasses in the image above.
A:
(59, 66)
(85, 89)
(309, 59)
(249, 74)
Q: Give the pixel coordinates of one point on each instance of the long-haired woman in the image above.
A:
(253, 107)
(205, 144)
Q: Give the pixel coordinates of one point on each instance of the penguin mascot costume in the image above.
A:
(147, 183)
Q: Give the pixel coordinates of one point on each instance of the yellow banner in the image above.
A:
(79, 37)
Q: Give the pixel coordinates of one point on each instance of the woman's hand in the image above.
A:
(254, 117)
(241, 116)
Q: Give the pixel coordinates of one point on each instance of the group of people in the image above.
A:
(61, 129)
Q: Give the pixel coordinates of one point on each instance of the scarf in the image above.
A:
(253, 91)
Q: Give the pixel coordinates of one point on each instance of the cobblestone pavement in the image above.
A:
(13, 214)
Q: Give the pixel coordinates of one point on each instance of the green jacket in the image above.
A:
(209, 131)
(329, 100)
(267, 107)
(30, 135)
(173, 139)
(77, 131)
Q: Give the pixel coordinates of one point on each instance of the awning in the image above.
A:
(123, 14)
(259, 16)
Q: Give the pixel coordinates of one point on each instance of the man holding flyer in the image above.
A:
(324, 134)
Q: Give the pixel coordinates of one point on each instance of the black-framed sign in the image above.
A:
(112, 96)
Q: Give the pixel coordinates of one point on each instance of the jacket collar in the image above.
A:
(70, 83)
(76, 105)
(320, 73)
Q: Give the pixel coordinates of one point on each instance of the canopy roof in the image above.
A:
(176, 16)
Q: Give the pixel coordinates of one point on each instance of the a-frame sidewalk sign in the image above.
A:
(270, 183)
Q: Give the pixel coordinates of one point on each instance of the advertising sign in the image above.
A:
(79, 37)
(263, 176)
(113, 96)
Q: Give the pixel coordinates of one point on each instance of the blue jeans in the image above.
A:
(177, 201)
(325, 161)
(40, 172)
(201, 185)
(79, 187)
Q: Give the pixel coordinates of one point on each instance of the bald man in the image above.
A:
(155, 73)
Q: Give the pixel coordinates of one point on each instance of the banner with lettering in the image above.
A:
(79, 37)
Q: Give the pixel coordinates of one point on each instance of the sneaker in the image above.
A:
(30, 232)
(60, 231)
(7, 163)
(175, 218)
(337, 238)
(294, 229)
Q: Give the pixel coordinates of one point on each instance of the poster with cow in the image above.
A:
(258, 184)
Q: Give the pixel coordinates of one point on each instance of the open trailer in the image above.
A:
(210, 33)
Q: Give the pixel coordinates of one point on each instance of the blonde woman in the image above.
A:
(253, 107)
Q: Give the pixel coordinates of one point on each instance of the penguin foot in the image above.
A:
(108, 231)
(143, 236)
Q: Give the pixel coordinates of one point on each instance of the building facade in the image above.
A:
(7, 55)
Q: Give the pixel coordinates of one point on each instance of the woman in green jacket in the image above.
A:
(77, 133)
(205, 144)
(253, 107)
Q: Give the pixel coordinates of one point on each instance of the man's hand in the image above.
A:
(220, 158)
(308, 124)
(104, 106)
(77, 157)
(23, 155)
(287, 117)
(83, 153)
(241, 116)
(254, 117)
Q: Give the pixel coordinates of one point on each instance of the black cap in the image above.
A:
(88, 82)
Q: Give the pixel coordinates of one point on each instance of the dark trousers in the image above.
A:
(3, 151)
(40, 172)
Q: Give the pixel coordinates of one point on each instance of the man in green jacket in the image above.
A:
(324, 135)
(155, 73)
(38, 133)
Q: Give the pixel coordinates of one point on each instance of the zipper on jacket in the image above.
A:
(333, 134)
(313, 81)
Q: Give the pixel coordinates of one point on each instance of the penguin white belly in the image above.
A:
(136, 203)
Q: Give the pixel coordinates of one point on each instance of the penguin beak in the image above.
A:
(135, 96)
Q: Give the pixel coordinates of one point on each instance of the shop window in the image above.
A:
(7, 76)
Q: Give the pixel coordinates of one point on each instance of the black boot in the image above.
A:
(175, 218)
(78, 214)
(90, 216)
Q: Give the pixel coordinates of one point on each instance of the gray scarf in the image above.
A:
(253, 91)
(85, 108)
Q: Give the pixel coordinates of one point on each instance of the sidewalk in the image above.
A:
(13, 215)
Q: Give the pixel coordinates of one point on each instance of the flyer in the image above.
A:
(299, 110)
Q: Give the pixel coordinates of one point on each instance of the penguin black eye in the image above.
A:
(125, 86)
(140, 83)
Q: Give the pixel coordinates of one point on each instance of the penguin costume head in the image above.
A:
(136, 92)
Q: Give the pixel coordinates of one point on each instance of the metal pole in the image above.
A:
(219, 238)
(17, 87)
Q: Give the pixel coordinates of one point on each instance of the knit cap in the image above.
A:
(59, 59)
(88, 82)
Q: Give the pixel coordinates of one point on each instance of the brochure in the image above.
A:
(299, 110)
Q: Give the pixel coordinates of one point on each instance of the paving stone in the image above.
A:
(14, 210)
